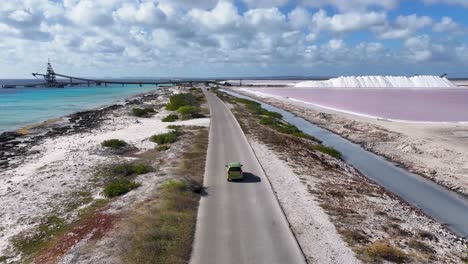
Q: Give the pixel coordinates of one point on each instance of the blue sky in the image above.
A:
(158, 38)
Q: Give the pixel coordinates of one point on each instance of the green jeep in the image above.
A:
(234, 171)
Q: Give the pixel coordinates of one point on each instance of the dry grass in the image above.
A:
(382, 250)
(162, 229)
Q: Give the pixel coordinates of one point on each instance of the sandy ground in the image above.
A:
(438, 151)
(47, 180)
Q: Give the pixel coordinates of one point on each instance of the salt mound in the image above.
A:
(381, 82)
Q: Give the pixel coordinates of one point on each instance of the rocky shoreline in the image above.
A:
(15, 146)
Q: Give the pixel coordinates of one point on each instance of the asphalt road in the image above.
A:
(238, 222)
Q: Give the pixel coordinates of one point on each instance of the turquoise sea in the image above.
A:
(20, 107)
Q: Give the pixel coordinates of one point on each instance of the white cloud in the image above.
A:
(404, 27)
(146, 13)
(265, 20)
(346, 22)
(90, 13)
(21, 16)
(299, 17)
(223, 16)
(447, 24)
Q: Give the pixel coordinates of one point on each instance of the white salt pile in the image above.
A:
(381, 82)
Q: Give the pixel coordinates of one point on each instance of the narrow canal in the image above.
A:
(443, 205)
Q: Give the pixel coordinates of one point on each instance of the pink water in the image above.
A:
(428, 105)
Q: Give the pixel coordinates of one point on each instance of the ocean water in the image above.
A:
(25, 106)
(405, 104)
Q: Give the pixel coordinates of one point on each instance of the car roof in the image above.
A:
(234, 164)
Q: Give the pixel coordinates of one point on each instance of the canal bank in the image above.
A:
(441, 204)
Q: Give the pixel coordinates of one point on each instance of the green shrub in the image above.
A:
(170, 118)
(188, 111)
(128, 169)
(269, 121)
(179, 100)
(141, 168)
(119, 187)
(257, 108)
(114, 143)
(272, 114)
(142, 112)
(246, 101)
(149, 110)
(327, 150)
(174, 127)
(165, 138)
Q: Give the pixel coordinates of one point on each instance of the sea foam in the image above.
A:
(381, 82)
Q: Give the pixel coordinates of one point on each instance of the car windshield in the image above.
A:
(235, 169)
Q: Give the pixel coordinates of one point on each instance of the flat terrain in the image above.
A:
(239, 222)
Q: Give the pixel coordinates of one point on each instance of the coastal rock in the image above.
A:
(7, 136)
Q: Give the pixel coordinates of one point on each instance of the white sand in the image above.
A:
(314, 231)
(64, 164)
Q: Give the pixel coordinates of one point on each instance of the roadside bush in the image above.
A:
(246, 101)
(188, 112)
(292, 130)
(142, 112)
(119, 187)
(257, 108)
(327, 150)
(170, 118)
(114, 143)
(178, 100)
(165, 138)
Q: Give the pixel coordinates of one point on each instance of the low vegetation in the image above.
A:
(170, 118)
(186, 104)
(327, 150)
(31, 242)
(161, 230)
(117, 179)
(272, 119)
(381, 250)
(188, 112)
(166, 138)
(119, 187)
(129, 169)
(114, 143)
(184, 99)
(143, 112)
